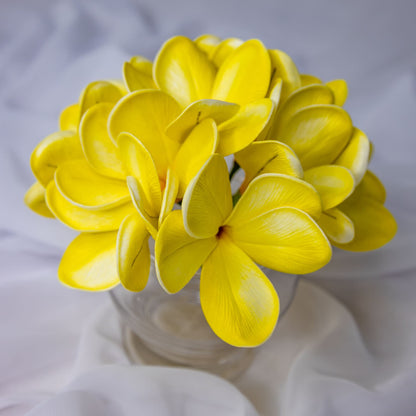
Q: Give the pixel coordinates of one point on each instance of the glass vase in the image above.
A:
(173, 327)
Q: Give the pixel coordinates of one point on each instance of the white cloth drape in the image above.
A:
(348, 343)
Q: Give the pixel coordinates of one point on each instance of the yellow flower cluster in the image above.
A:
(145, 157)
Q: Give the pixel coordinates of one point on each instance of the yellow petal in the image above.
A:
(207, 201)
(337, 226)
(198, 111)
(69, 118)
(283, 67)
(317, 134)
(135, 79)
(207, 43)
(274, 95)
(355, 156)
(170, 194)
(238, 300)
(242, 129)
(99, 149)
(333, 183)
(133, 255)
(270, 191)
(139, 163)
(371, 187)
(82, 186)
(194, 152)
(82, 219)
(301, 98)
(89, 262)
(52, 151)
(340, 89)
(283, 239)
(224, 49)
(275, 91)
(35, 200)
(268, 157)
(142, 64)
(374, 224)
(99, 92)
(146, 114)
(244, 76)
(306, 79)
(178, 255)
(143, 205)
(183, 71)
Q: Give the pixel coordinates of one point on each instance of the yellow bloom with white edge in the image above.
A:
(333, 155)
(272, 225)
(64, 145)
(84, 186)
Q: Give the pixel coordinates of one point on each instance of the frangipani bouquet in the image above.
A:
(146, 157)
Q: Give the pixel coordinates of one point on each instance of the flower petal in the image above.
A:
(35, 200)
(283, 67)
(371, 187)
(133, 255)
(340, 89)
(183, 71)
(194, 152)
(270, 191)
(198, 111)
(99, 92)
(337, 226)
(301, 98)
(207, 201)
(139, 163)
(224, 50)
(374, 225)
(82, 186)
(52, 151)
(142, 64)
(284, 239)
(69, 118)
(268, 157)
(242, 129)
(143, 205)
(170, 194)
(178, 255)
(317, 134)
(306, 79)
(89, 262)
(100, 151)
(275, 91)
(146, 114)
(207, 43)
(238, 300)
(244, 76)
(135, 79)
(355, 156)
(333, 183)
(82, 219)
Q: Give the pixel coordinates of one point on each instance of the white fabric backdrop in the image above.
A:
(347, 345)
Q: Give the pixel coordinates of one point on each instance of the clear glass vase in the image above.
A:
(173, 326)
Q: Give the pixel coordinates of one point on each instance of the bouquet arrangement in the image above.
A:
(151, 156)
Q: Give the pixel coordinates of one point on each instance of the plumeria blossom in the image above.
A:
(333, 154)
(143, 158)
(64, 145)
(272, 225)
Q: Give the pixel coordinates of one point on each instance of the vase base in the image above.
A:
(229, 366)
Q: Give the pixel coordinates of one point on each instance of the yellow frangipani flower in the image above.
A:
(186, 73)
(82, 183)
(333, 154)
(271, 225)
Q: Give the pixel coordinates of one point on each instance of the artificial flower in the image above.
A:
(272, 225)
